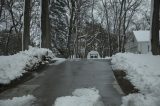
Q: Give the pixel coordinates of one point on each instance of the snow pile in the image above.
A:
(81, 97)
(19, 101)
(107, 58)
(143, 71)
(12, 67)
(140, 100)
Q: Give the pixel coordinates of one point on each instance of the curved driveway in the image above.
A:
(60, 80)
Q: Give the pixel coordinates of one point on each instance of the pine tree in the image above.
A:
(58, 19)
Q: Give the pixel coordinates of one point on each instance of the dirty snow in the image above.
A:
(13, 66)
(81, 97)
(143, 71)
(19, 101)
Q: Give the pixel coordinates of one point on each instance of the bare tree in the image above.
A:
(118, 15)
(71, 5)
(107, 26)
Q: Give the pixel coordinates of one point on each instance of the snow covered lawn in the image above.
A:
(143, 71)
(12, 67)
(19, 101)
(81, 97)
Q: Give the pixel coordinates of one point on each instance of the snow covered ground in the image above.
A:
(19, 101)
(143, 71)
(81, 97)
(12, 67)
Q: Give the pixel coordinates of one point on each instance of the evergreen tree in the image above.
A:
(59, 24)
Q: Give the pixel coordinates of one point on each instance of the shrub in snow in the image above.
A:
(12, 67)
(19, 101)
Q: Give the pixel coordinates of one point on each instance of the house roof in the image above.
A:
(93, 52)
(142, 35)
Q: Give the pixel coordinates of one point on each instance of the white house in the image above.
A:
(139, 42)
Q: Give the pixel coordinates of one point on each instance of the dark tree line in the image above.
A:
(72, 28)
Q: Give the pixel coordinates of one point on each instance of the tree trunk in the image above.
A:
(108, 28)
(6, 45)
(71, 23)
(26, 32)
(46, 38)
(1, 7)
(155, 27)
(124, 28)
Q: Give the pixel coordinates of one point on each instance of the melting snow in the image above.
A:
(81, 97)
(19, 101)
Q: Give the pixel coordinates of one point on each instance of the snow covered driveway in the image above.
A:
(61, 80)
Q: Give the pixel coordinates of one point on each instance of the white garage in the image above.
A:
(93, 55)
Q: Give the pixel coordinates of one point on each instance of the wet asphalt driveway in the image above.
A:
(60, 80)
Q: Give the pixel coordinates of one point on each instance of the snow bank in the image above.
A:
(12, 67)
(58, 61)
(107, 58)
(81, 97)
(140, 100)
(143, 71)
(19, 101)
